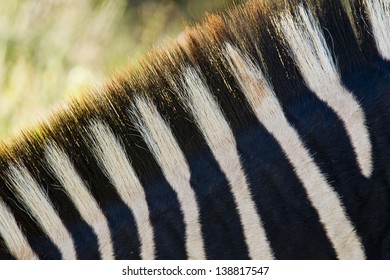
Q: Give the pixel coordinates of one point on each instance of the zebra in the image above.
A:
(261, 133)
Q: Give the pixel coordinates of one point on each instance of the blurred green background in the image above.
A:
(52, 49)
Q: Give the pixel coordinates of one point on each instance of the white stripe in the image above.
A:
(270, 113)
(210, 119)
(166, 150)
(379, 14)
(12, 235)
(114, 161)
(85, 203)
(40, 207)
(315, 61)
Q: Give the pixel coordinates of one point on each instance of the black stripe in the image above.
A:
(221, 228)
(291, 222)
(4, 252)
(167, 220)
(370, 210)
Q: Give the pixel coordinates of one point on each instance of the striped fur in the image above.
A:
(319, 72)
(223, 146)
(113, 160)
(263, 101)
(262, 133)
(84, 202)
(41, 209)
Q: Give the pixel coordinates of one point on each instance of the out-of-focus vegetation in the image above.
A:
(52, 49)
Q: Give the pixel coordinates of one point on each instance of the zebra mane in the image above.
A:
(145, 102)
(253, 28)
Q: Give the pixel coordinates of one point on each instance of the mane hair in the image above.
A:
(253, 27)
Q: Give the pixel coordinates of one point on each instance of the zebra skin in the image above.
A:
(262, 133)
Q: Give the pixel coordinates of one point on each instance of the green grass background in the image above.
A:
(51, 50)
